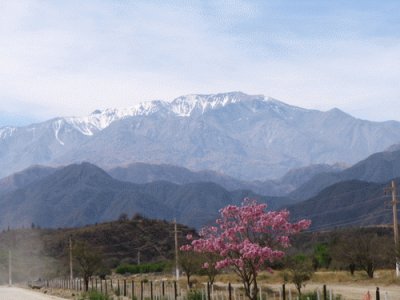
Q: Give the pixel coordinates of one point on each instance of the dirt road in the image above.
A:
(13, 293)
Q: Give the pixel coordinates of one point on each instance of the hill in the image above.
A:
(379, 167)
(346, 204)
(146, 173)
(43, 253)
(81, 194)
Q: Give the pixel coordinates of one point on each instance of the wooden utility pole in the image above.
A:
(393, 189)
(176, 251)
(71, 274)
(9, 268)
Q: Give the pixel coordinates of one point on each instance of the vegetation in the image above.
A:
(88, 261)
(94, 295)
(43, 253)
(366, 251)
(300, 270)
(142, 268)
(247, 237)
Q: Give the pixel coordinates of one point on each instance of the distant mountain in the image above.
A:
(24, 178)
(247, 137)
(146, 173)
(379, 167)
(85, 194)
(346, 204)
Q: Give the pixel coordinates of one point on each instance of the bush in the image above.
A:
(194, 295)
(94, 295)
(143, 268)
(313, 296)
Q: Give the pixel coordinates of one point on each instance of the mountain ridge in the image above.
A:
(247, 137)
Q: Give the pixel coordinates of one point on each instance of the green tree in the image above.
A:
(300, 270)
(190, 263)
(321, 256)
(87, 259)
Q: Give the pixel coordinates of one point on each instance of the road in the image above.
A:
(13, 293)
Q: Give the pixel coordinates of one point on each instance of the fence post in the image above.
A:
(163, 288)
(230, 291)
(378, 296)
(141, 290)
(118, 289)
(124, 287)
(133, 289)
(208, 291)
(105, 286)
(284, 291)
(325, 294)
(175, 291)
(151, 290)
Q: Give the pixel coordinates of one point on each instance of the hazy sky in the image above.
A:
(71, 57)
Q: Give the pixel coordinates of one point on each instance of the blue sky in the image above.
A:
(72, 57)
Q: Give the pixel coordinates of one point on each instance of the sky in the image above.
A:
(62, 58)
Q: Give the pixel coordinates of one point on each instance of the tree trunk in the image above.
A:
(254, 289)
(352, 268)
(370, 270)
(86, 283)
(298, 287)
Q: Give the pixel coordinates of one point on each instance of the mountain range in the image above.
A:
(81, 194)
(379, 167)
(243, 136)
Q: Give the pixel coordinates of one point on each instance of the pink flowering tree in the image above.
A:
(247, 237)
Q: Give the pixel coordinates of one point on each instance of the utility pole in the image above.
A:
(9, 268)
(393, 189)
(176, 251)
(71, 274)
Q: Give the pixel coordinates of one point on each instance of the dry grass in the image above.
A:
(381, 277)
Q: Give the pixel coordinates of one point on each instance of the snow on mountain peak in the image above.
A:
(184, 106)
(188, 105)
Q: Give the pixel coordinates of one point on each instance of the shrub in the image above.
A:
(143, 268)
(94, 295)
(194, 295)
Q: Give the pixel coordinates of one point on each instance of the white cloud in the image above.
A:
(69, 58)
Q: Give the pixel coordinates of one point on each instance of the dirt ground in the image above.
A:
(14, 293)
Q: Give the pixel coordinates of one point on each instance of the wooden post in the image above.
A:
(141, 290)
(175, 291)
(378, 296)
(283, 291)
(124, 288)
(208, 291)
(118, 289)
(133, 289)
(325, 294)
(230, 291)
(105, 286)
(163, 288)
(151, 290)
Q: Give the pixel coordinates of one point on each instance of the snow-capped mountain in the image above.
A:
(245, 136)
